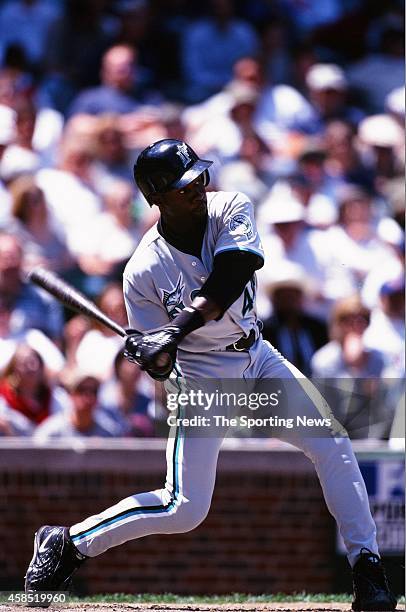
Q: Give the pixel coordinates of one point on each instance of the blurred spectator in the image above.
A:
(285, 238)
(223, 135)
(73, 334)
(114, 234)
(327, 92)
(28, 22)
(377, 74)
(48, 122)
(292, 331)
(280, 108)
(7, 125)
(382, 144)
(395, 104)
(274, 51)
(9, 340)
(387, 330)
(356, 240)
(286, 108)
(379, 275)
(357, 396)
(249, 172)
(128, 399)
(20, 157)
(30, 222)
(26, 396)
(311, 164)
(70, 192)
(31, 307)
(320, 208)
(142, 26)
(78, 40)
(211, 46)
(115, 94)
(83, 417)
(112, 159)
(97, 350)
(346, 354)
(343, 163)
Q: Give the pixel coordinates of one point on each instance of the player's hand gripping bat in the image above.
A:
(73, 299)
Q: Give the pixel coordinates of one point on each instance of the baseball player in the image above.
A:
(190, 293)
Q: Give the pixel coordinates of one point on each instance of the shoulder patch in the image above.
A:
(241, 225)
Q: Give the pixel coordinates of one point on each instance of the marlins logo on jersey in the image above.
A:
(173, 300)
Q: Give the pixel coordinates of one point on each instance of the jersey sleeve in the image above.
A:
(237, 227)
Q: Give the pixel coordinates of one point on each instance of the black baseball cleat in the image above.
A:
(54, 562)
(371, 589)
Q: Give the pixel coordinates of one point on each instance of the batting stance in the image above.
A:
(190, 288)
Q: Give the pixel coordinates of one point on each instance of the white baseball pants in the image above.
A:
(183, 503)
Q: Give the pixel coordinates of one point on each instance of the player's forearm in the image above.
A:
(201, 311)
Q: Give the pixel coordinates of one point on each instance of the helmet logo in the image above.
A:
(183, 154)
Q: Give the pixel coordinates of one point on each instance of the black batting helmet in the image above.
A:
(168, 164)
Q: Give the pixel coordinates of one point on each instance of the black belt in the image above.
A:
(244, 343)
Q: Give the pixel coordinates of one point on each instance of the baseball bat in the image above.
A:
(72, 298)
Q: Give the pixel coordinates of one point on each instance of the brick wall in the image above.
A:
(268, 529)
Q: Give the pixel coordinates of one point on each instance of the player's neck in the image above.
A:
(186, 239)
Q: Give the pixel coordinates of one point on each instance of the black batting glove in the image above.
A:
(155, 351)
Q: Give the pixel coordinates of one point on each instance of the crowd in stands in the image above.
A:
(300, 104)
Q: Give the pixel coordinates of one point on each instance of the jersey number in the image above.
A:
(249, 296)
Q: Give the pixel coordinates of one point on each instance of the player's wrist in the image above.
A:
(188, 321)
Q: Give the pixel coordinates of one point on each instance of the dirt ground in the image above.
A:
(246, 607)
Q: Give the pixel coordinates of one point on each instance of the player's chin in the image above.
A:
(199, 209)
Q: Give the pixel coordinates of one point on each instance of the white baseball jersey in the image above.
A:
(160, 280)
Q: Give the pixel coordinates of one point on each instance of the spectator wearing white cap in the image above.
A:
(290, 329)
(286, 237)
(283, 108)
(382, 142)
(327, 88)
